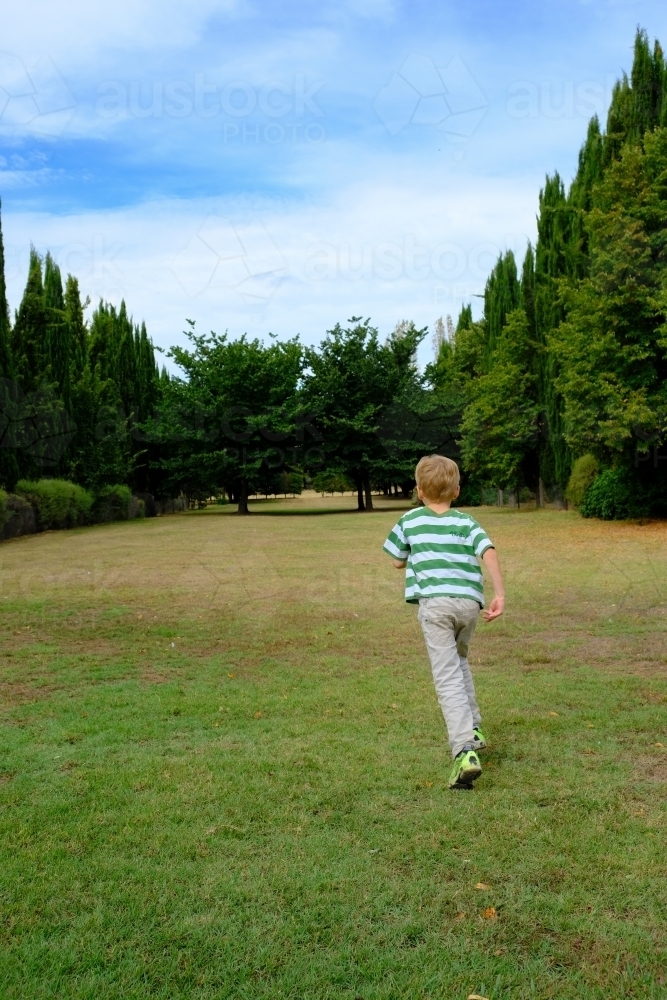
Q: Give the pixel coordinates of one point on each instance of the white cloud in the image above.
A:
(79, 29)
(377, 250)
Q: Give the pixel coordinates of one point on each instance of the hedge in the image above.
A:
(584, 471)
(58, 503)
(618, 494)
(116, 503)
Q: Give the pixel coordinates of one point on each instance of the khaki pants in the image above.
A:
(448, 624)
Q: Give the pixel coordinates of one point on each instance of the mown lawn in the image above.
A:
(223, 769)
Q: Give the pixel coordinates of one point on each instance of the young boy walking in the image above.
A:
(441, 550)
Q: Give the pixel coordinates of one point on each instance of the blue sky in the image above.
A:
(276, 166)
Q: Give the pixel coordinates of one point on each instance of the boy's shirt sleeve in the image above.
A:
(397, 545)
(479, 539)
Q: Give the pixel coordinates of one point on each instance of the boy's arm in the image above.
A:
(497, 605)
(399, 563)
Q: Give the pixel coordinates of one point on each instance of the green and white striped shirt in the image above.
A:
(442, 553)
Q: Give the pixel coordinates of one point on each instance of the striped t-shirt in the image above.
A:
(442, 552)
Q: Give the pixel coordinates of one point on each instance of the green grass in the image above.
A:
(223, 769)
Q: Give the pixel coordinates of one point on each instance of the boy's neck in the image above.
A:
(438, 508)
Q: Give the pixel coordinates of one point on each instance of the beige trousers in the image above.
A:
(448, 624)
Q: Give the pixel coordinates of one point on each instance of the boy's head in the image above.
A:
(437, 478)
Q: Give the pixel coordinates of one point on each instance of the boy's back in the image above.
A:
(442, 553)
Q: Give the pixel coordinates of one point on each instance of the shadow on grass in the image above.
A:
(331, 510)
(310, 512)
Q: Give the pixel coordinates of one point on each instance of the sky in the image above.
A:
(273, 166)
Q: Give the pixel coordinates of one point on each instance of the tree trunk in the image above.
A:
(500, 498)
(360, 493)
(367, 492)
(541, 498)
(243, 498)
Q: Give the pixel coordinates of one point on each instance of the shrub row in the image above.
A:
(55, 503)
(614, 494)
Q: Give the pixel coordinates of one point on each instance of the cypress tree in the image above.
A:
(553, 259)
(464, 321)
(125, 361)
(528, 289)
(6, 367)
(57, 352)
(29, 336)
(77, 331)
(9, 470)
(501, 295)
(619, 119)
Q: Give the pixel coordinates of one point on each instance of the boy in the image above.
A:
(440, 549)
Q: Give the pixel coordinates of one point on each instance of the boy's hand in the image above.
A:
(495, 609)
(497, 605)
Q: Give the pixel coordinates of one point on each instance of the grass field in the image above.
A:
(223, 770)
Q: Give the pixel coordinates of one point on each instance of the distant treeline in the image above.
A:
(559, 391)
(73, 393)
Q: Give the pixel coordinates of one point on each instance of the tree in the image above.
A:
(234, 416)
(9, 470)
(29, 336)
(351, 382)
(57, 346)
(499, 426)
(612, 347)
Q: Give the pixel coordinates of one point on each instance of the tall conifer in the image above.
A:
(6, 368)
(9, 470)
(501, 296)
(29, 336)
(57, 330)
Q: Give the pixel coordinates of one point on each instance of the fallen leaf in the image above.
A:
(476, 996)
(660, 744)
(499, 951)
(489, 913)
(555, 714)
(459, 916)
(258, 715)
(482, 885)
(329, 633)
(393, 705)
(231, 675)
(590, 725)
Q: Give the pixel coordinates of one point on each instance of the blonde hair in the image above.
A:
(437, 477)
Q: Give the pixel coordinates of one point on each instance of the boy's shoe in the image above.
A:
(479, 741)
(467, 768)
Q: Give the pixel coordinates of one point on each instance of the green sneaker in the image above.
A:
(479, 741)
(466, 768)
